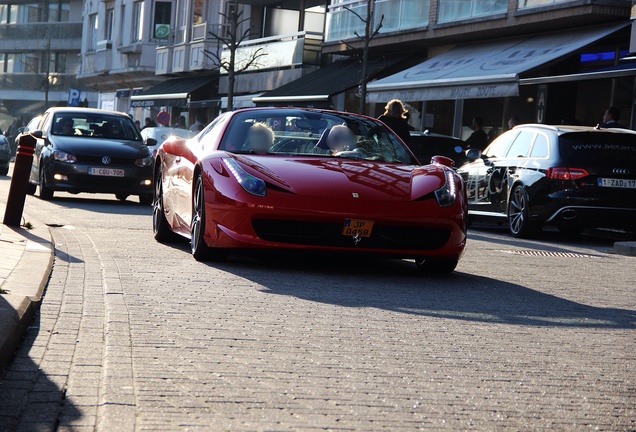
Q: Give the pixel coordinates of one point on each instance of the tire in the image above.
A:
(160, 227)
(46, 193)
(146, 199)
(435, 265)
(519, 222)
(121, 196)
(200, 250)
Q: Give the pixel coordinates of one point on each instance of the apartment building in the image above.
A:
(542, 61)
(39, 57)
(287, 36)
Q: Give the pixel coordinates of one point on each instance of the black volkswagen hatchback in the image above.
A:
(569, 176)
(91, 150)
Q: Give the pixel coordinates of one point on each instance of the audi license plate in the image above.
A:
(617, 183)
(358, 227)
(107, 172)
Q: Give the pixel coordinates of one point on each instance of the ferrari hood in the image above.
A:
(83, 146)
(338, 178)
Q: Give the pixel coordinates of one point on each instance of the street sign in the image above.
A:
(163, 118)
(73, 97)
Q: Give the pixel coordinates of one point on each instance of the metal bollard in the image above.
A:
(19, 180)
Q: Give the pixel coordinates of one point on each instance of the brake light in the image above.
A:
(566, 173)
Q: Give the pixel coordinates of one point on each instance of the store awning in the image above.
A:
(320, 85)
(172, 92)
(484, 70)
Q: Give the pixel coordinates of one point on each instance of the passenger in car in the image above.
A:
(260, 138)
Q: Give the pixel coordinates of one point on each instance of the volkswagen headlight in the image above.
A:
(62, 156)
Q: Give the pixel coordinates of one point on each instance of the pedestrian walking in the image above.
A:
(611, 117)
(478, 139)
(395, 117)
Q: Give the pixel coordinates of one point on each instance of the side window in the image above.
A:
(521, 146)
(540, 147)
(499, 146)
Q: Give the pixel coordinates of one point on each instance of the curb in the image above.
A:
(625, 248)
(24, 286)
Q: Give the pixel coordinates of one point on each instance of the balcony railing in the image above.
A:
(398, 15)
(59, 30)
(456, 10)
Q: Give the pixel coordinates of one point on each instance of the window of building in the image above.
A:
(110, 18)
(197, 12)
(122, 24)
(137, 22)
(91, 40)
(454, 10)
(163, 14)
(9, 13)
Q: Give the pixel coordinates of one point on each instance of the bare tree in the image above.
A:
(232, 39)
(370, 31)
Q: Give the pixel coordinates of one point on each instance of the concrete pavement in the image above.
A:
(26, 259)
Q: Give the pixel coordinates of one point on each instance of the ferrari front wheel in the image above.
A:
(435, 265)
(200, 250)
(160, 227)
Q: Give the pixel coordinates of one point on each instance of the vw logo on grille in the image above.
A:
(106, 160)
(623, 171)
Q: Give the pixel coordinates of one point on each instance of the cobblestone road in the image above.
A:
(133, 335)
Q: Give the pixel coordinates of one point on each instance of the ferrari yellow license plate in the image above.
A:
(357, 227)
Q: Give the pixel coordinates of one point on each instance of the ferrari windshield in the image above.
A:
(313, 133)
(95, 125)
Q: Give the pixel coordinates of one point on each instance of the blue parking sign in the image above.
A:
(73, 97)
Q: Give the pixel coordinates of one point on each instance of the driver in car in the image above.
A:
(260, 138)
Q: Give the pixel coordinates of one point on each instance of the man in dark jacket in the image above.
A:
(478, 139)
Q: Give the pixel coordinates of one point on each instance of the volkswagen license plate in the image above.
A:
(358, 227)
(617, 183)
(107, 172)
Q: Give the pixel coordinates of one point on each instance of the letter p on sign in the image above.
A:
(73, 97)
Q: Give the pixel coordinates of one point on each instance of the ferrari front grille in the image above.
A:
(383, 237)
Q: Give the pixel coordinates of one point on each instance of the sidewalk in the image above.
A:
(26, 258)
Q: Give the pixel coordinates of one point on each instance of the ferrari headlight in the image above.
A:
(143, 162)
(447, 194)
(251, 184)
(61, 156)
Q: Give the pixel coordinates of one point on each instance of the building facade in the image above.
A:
(39, 57)
(286, 38)
(542, 61)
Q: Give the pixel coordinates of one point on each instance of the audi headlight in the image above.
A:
(447, 194)
(143, 162)
(61, 156)
(251, 184)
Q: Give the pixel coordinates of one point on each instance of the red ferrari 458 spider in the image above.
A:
(305, 179)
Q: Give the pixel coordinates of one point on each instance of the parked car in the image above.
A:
(426, 145)
(162, 133)
(225, 190)
(91, 150)
(569, 176)
(5, 155)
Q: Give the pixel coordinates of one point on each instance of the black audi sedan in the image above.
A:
(573, 177)
(91, 150)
